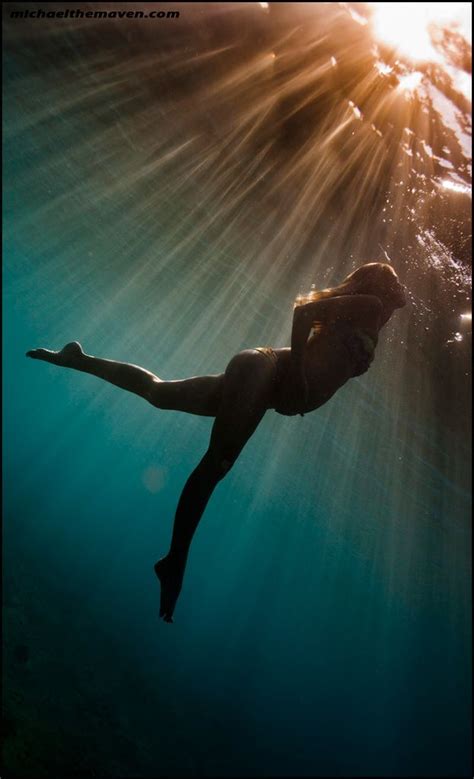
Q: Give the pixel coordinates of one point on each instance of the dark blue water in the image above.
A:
(167, 193)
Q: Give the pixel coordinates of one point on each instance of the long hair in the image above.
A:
(370, 279)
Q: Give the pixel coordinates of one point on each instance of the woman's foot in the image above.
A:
(171, 579)
(67, 357)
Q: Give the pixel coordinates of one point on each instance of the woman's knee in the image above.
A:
(166, 395)
(155, 394)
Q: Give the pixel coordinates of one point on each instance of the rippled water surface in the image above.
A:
(170, 186)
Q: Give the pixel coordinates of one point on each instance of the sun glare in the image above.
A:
(455, 187)
(405, 26)
(409, 82)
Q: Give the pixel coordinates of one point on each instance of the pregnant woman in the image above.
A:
(342, 323)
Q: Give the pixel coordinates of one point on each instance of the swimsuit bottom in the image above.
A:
(359, 345)
(269, 352)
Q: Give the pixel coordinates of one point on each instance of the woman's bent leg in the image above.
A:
(248, 384)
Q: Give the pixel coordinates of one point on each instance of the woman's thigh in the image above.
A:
(199, 395)
(247, 394)
(247, 383)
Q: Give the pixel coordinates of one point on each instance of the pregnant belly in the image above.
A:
(289, 406)
(332, 356)
(325, 374)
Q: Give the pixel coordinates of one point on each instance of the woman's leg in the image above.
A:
(198, 395)
(247, 391)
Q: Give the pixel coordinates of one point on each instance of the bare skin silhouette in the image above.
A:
(343, 324)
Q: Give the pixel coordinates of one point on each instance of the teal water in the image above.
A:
(167, 193)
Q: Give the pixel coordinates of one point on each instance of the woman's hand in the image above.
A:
(362, 349)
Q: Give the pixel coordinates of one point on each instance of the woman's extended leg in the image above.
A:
(247, 392)
(198, 395)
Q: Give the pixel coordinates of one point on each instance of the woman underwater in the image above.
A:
(343, 324)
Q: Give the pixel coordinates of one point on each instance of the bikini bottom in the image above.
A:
(273, 357)
(284, 406)
(269, 352)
